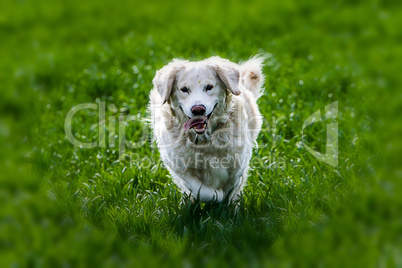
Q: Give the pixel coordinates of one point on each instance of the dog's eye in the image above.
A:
(209, 87)
(184, 89)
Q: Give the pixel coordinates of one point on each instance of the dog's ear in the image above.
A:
(165, 78)
(228, 72)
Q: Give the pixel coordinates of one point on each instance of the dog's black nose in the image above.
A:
(198, 110)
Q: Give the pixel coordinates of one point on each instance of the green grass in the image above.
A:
(67, 206)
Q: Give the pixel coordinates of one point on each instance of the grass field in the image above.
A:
(66, 206)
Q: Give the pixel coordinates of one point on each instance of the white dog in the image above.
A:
(206, 120)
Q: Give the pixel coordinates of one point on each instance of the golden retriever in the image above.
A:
(205, 121)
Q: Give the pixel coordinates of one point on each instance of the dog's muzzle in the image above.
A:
(198, 123)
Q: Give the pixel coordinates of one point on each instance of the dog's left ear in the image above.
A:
(229, 74)
(165, 78)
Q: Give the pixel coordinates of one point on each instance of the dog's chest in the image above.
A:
(215, 168)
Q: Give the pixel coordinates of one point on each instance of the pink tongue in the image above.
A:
(197, 123)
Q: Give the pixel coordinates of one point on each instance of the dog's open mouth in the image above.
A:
(198, 123)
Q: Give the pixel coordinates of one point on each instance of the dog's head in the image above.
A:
(197, 88)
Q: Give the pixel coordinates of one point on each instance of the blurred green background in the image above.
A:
(66, 206)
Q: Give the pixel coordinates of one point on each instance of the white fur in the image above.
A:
(210, 166)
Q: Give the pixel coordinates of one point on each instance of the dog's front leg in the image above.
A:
(202, 192)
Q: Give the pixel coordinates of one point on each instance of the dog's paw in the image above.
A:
(219, 195)
(210, 195)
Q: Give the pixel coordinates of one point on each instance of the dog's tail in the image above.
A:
(252, 76)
